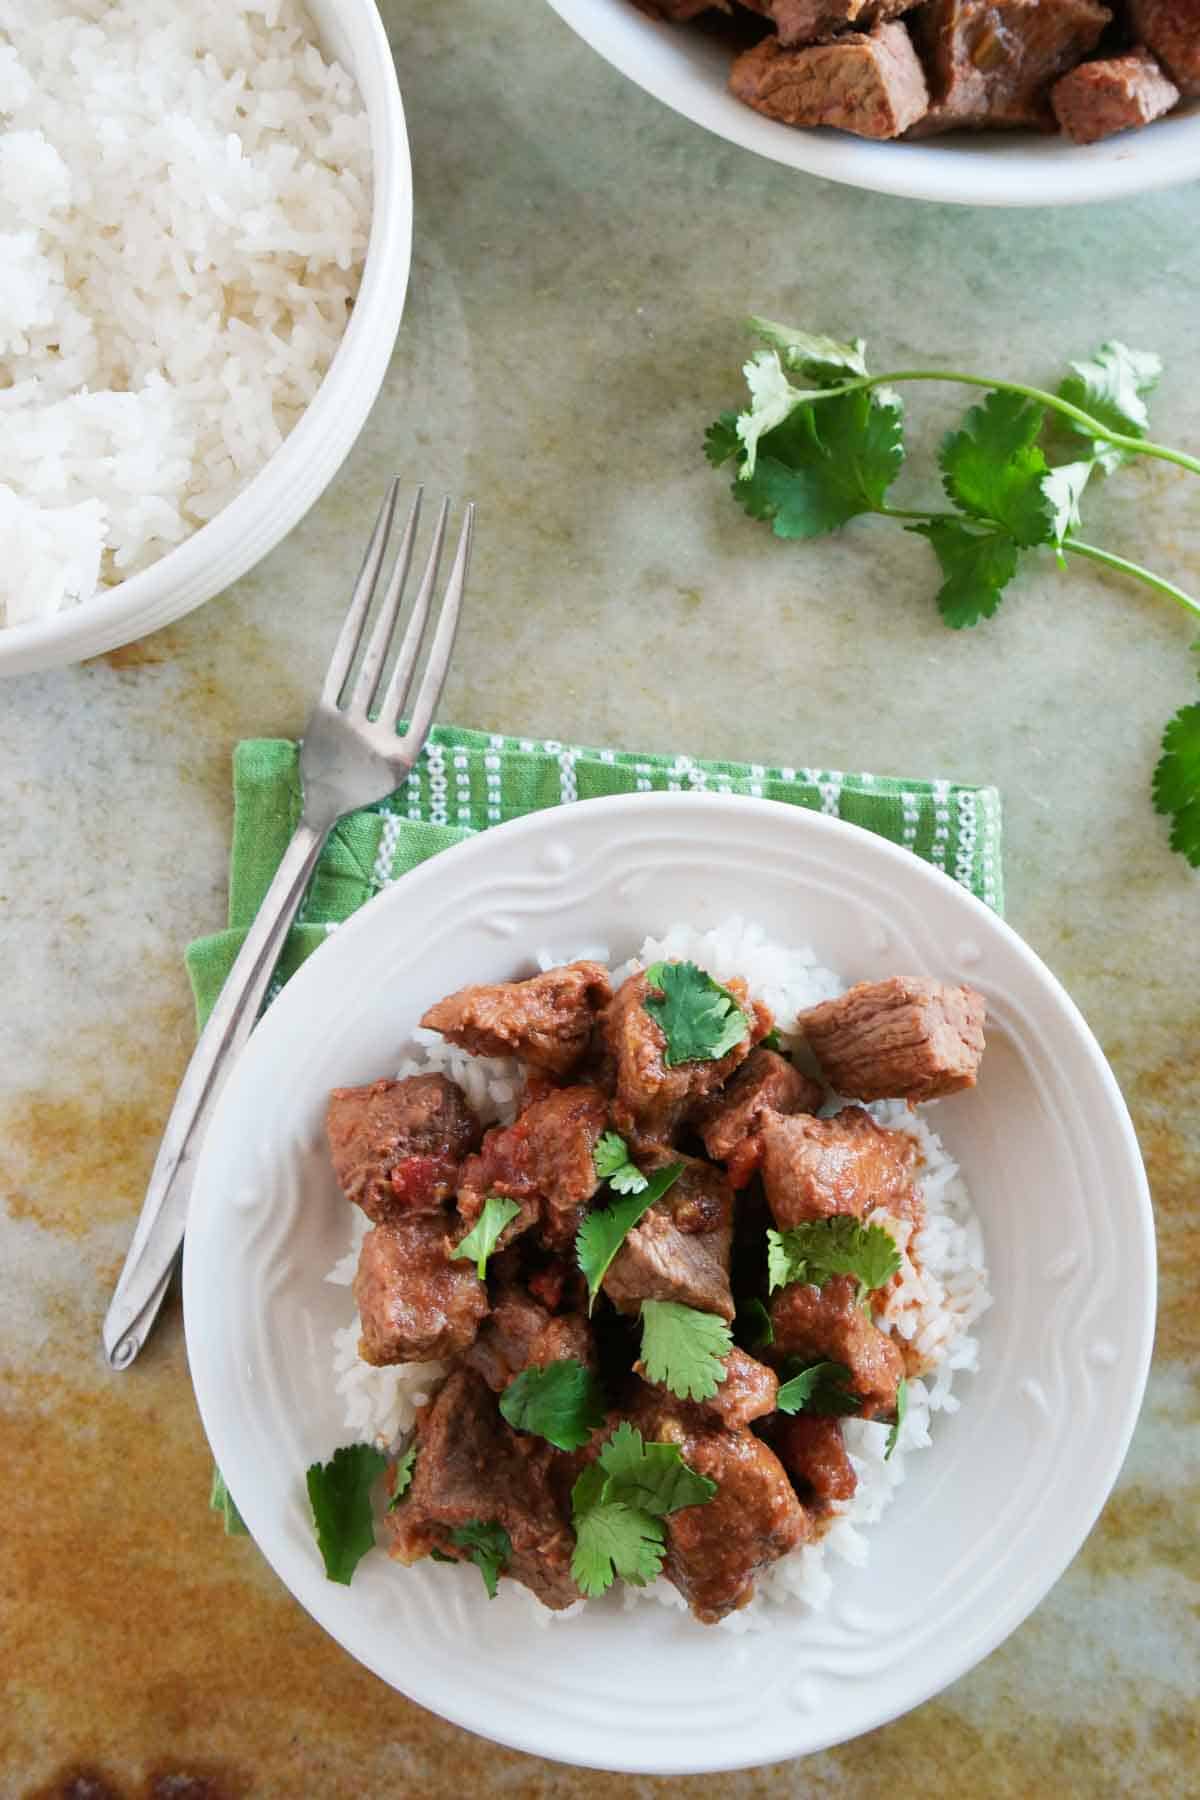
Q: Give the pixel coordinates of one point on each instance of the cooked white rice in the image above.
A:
(184, 210)
(941, 1291)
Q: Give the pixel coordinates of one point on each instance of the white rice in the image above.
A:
(184, 210)
(941, 1291)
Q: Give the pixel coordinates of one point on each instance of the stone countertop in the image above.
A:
(583, 259)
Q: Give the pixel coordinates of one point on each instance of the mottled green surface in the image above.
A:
(582, 261)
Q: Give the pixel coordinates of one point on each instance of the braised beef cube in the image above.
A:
(747, 1391)
(546, 1021)
(871, 84)
(471, 1467)
(814, 1168)
(545, 1161)
(992, 62)
(1171, 29)
(813, 1452)
(715, 1551)
(766, 1082)
(415, 1305)
(1121, 93)
(827, 1324)
(905, 1038)
(519, 1333)
(397, 1146)
(651, 1097)
(680, 1249)
(810, 21)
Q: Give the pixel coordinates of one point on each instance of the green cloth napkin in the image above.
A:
(467, 781)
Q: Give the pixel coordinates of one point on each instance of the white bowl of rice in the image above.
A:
(207, 218)
(1029, 1288)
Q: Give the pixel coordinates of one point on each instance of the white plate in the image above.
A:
(689, 72)
(986, 1521)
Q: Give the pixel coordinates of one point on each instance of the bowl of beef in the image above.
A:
(983, 102)
(723, 1267)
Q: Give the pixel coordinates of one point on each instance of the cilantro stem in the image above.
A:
(1133, 446)
(1125, 567)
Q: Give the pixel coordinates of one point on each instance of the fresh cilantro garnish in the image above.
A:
(682, 1348)
(440, 1556)
(700, 1019)
(339, 1493)
(819, 1388)
(488, 1546)
(482, 1239)
(603, 1231)
(752, 1326)
(1177, 782)
(221, 1501)
(618, 1504)
(821, 1248)
(612, 1163)
(810, 458)
(562, 1402)
(772, 1041)
(893, 1436)
(403, 1477)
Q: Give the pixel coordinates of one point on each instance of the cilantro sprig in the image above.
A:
(618, 1505)
(822, 442)
(893, 1436)
(562, 1402)
(402, 1480)
(822, 1248)
(488, 1546)
(339, 1492)
(604, 1230)
(683, 1349)
(700, 1019)
(613, 1163)
(483, 1237)
(819, 1388)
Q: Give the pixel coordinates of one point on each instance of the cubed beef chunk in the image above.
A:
(680, 1249)
(520, 1333)
(813, 1452)
(869, 83)
(471, 1467)
(544, 1160)
(397, 1145)
(1171, 29)
(546, 1021)
(766, 1082)
(808, 21)
(747, 1391)
(993, 62)
(651, 1098)
(813, 1168)
(415, 1305)
(828, 1324)
(905, 1038)
(715, 1551)
(1120, 93)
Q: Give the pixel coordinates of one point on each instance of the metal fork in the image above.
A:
(350, 757)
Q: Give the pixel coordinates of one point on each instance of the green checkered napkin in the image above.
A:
(466, 781)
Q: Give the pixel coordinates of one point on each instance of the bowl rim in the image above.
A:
(987, 169)
(456, 863)
(275, 500)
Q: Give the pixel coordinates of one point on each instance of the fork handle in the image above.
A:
(156, 1243)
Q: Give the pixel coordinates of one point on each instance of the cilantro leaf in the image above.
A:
(699, 1018)
(977, 565)
(772, 1041)
(339, 1493)
(1063, 487)
(823, 466)
(488, 1546)
(893, 1436)
(683, 1348)
(820, 359)
(221, 1501)
(440, 1556)
(821, 1248)
(613, 1539)
(721, 440)
(773, 400)
(993, 468)
(562, 1402)
(481, 1240)
(651, 1477)
(604, 1231)
(402, 1478)
(612, 1163)
(1111, 385)
(1177, 782)
(752, 1325)
(820, 1388)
